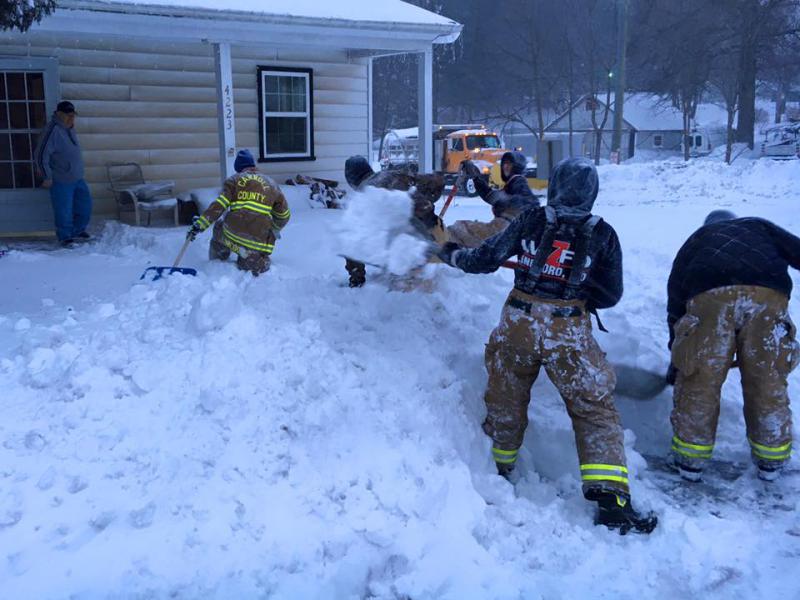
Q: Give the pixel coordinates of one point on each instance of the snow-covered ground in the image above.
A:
(288, 437)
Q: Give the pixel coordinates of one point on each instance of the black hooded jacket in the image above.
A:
(573, 189)
(747, 251)
(516, 196)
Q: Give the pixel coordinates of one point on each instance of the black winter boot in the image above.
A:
(506, 471)
(615, 511)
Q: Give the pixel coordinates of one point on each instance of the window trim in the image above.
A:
(264, 70)
(658, 140)
(52, 95)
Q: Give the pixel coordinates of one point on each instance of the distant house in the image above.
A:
(650, 124)
(179, 85)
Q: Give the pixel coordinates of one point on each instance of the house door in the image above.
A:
(28, 90)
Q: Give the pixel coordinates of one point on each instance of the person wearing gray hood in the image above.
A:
(59, 163)
(570, 265)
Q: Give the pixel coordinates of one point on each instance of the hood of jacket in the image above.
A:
(573, 187)
(356, 171)
(518, 164)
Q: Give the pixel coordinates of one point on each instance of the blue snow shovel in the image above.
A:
(159, 272)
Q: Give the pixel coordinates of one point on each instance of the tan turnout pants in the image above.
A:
(220, 248)
(751, 324)
(543, 336)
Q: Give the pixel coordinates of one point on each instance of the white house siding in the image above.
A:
(155, 104)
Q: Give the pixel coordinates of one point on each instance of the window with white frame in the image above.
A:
(22, 117)
(286, 113)
(658, 141)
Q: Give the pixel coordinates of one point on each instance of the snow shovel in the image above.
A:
(449, 201)
(637, 383)
(160, 271)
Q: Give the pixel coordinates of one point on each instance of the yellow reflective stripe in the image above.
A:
(505, 457)
(505, 452)
(691, 450)
(600, 467)
(223, 201)
(268, 248)
(203, 222)
(254, 206)
(282, 215)
(603, 472)
(784, 448)
(781, 452)
(783, 456)
(689, 453)
(700, 447)
(605, 478)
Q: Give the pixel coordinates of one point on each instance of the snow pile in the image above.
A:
(375, 229)
(285, 436)
(701, 182)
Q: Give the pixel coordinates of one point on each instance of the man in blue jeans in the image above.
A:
(60, 163)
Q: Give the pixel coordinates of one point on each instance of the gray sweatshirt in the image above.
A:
(58, 153)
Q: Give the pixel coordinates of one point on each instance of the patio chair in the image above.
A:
(126, 182)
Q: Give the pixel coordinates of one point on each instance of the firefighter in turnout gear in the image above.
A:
(570, 266)
(425, 190)
(255, 211)
(728, 301)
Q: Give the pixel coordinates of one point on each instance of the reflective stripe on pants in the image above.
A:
(615, 474)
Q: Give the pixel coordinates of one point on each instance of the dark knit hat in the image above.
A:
(715, 216)
(244, 160)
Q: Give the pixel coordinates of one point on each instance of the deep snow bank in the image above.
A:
(287, 437)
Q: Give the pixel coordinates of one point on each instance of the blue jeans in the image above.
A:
(72, 208)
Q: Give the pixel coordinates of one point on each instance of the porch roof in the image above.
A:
(359, 25)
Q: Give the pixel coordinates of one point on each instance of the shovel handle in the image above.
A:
(513, 264)
(449, 200)
(182, 252)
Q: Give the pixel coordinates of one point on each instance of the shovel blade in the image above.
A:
(156, 273)
(639, 384)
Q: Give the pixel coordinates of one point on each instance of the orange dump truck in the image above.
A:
(452, 144)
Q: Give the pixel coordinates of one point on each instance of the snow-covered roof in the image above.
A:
(383, 11)
(650, 112)
(647, 112)
(407, 133)
(475, 132)
(373, 27)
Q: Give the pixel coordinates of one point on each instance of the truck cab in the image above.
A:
(479, 145)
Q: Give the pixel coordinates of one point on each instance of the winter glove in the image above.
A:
(470, 169)
(672, 373)
(483, 188)
(195, 229)
(449, 253)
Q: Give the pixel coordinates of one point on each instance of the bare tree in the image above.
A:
(762, 24)
(781, 70)
(679, 66)
(594, 43)
(523, 57)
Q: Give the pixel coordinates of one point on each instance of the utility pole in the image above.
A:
(619, 91)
